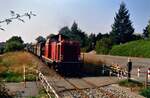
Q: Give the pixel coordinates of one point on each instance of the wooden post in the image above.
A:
(24, 75)
(146, 80)
(138, 72)
(36, 77)
(110, 72)
(83, 57)
(148, 72)
(103, 70)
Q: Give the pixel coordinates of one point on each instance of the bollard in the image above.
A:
(118, 75)
(138, 74)
(110, 73)
(148, 72)
(103, 70)
(122, 74)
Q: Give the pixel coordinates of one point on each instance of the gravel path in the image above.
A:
(111, 91)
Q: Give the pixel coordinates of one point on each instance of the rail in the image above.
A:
(49, 89)
(78, 89)
(51, 92)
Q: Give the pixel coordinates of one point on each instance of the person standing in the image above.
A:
(129, 68)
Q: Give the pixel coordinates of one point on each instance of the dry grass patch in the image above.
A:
(91, 58)
(11, 65)
(2, 68)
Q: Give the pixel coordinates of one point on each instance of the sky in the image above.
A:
(92, 16)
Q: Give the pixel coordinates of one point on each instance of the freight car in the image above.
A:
(60, 52)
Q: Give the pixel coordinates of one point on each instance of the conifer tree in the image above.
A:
(146, 31)
(122, 30)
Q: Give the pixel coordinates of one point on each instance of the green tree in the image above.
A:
(122, 30)
(49, 36)
(66, 31)
(91, 42)
(103, 46)
(74, 27)
(146, 31)
(79, 35)
(40, 39)
(15, 43)
(75, 33)
(2, 46)
(99, 36)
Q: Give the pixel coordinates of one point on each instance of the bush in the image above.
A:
(30, 77)
(145, 92)
(14, 44)
(11, 76)
(103, 46)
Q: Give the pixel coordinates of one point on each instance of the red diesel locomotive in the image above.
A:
(61, 52)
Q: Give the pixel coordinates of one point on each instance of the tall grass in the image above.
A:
(11, 66)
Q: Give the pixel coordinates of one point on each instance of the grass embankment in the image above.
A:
(11, 66)
(140, 48)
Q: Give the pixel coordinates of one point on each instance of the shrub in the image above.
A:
(130, 83)
(14, 44)
(145, 92)
(30, 77)
(103, 46)
(11, 76)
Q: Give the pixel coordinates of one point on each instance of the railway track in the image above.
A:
(54, 77)
(76, 91)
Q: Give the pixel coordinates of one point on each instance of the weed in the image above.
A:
(130, 83)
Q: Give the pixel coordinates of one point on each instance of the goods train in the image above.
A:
(60, 52)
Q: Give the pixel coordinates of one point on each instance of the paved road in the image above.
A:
(31, 89)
